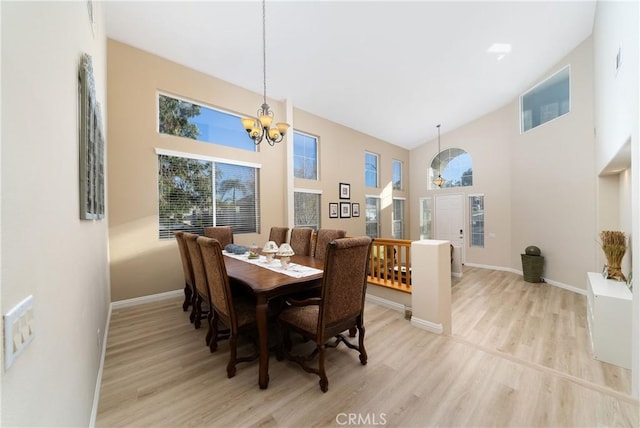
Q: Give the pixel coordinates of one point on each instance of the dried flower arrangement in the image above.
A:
(614, 245)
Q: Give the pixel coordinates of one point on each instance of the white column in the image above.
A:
(431, 285)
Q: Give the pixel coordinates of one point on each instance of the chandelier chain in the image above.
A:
(264, 49)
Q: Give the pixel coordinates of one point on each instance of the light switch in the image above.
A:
(18, 330)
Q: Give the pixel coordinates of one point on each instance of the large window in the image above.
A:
(370, 169)
(476, 219)
(306, 209)
(372, 216)
(191, 120)
(397, 175)
(546, 101)
(426, 218)
(397, 230)
(197, 193)
(305, 156)
(454, 165)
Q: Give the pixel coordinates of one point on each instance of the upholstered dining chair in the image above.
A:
(339, 308)
(324, 237)
(278, 235)
(201, 294)
(224, 234)
(238, 314)
(187, 270)
(300, 240)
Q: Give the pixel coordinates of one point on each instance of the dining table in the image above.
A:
(266, 283)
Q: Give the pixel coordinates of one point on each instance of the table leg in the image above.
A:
(263, 334)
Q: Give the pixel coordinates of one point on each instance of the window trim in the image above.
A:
(393, 211)
(401, 188)
(469, 196)
(379, 213)
(213, 160)
(293, 154)
(201, 104)
(520, 101)
(377, 186)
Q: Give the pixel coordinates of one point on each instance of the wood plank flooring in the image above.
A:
(518, 357)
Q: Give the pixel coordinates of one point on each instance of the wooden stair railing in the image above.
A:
(390, 264)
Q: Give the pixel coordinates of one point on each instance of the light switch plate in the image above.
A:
(19, 330)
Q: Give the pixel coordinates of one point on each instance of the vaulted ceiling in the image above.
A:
(390, 69)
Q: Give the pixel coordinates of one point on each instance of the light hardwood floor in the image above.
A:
(518, 356)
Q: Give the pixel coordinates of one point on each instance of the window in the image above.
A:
(546, 101)
(397, 175)
(370, 169)
(305, 156)
(191, 120)
(426, 218)
(306, 209)
(476, 219)
(397, 229)
(455, 166)
(197, 193)
(372, 216)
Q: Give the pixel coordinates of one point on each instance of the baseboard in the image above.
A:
(427, 325)
(146, 299)
(519, 272)
(103, 352)
(389, 304)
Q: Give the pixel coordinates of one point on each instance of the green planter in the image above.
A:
(532, 268)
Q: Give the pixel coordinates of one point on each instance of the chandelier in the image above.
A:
(439, 181)
(260, 128)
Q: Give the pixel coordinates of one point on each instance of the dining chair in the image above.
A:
(236, 312)
(187, 270)
(224, 234)
(340, 307)
(278, 235)
(300, 240)
(201, 294)
(324, 237)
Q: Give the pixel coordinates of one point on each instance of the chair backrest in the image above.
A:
(324, 237)
(196, 262)
(300, 240)
(224, 234)
(278, 235)
(187, 269)
(219, 289)
(344, 282)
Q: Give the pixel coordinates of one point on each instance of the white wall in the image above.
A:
(539, 187)
(47, 251)
(616, 121)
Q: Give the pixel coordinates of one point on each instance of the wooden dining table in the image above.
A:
(266, 284)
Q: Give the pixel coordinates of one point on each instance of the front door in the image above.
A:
(449, 221)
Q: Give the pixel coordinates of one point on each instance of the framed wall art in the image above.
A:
(355, 210)
(345, 191)
(333, 210)
(345, 210)
(91, 147)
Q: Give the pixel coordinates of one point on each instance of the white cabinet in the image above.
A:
(609, 311)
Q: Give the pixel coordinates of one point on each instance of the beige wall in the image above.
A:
(47, 251)
(141, 264)
(538, 187)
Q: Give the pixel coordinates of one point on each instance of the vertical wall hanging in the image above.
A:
(91, 154)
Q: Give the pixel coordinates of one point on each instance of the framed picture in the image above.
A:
(355, 210)
(91, 145)
(345, 210)
(333, 210)
(345, 191)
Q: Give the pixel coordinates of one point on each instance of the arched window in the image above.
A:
(454, 165)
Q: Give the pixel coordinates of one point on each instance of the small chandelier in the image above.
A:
(439, 181)
(260, 128)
